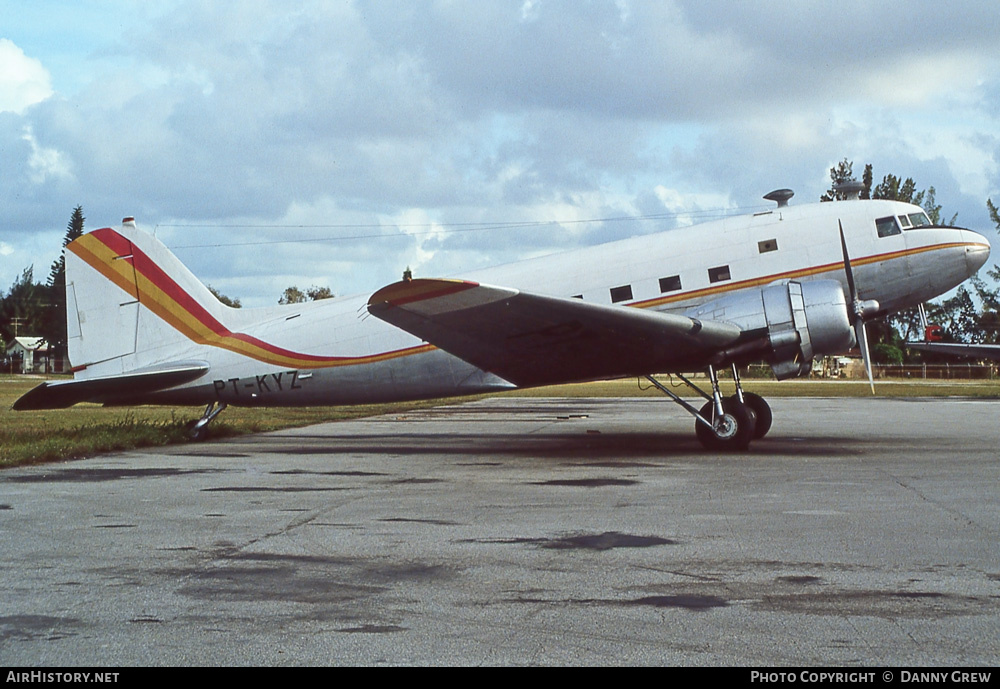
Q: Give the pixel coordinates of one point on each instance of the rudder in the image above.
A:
(122, 288)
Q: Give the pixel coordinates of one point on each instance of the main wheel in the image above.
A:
(730, 433)
(762, 411)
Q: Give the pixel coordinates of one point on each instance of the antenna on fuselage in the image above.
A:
(780, 196)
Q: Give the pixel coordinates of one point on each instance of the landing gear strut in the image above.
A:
(724, 424)
(197, 429)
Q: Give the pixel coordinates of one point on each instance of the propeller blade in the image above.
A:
(862, 337)
(857, 310)
(847, 265)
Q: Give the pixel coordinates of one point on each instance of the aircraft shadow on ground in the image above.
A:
(608, 446)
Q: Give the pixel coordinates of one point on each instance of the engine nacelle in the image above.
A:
(786, 324)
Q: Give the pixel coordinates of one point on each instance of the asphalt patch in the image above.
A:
(804, 579)
(587, 482)
(99, 475)
(35, 627)
(313, 579)
(297, 472)
(268, 489)
(373, 629)
(436, 522)
(688, 602)
(885, 604)
(609, 540)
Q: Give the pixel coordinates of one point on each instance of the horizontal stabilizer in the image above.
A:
(60, 395)
(531, 339)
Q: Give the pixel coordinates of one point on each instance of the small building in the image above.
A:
(29, 354)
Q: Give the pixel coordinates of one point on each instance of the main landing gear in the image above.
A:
(197, 428)
(726, 424)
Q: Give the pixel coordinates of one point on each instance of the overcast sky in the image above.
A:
(335, 143)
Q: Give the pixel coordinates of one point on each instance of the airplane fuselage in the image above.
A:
(333, 352)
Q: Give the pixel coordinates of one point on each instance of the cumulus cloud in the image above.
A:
(23, 80)
(451, 135)
(44, 163)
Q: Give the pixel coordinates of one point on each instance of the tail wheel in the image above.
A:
(731, 432)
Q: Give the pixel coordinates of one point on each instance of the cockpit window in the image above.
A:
(887, 226)
(919, 219)
(904, 222)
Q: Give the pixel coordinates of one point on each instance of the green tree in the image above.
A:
(839, 173)
(885, 340)
(989, 297)
(866, 179)
(228, 301)
(293, 295)
(53, 326)
(960, 316)
(316, 293)
(994, 272)
(23, 309)
(893, 188)
(844, 172)
(74, 229)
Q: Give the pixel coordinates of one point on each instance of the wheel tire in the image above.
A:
(762, 410)
(733, 431)
(706, 436)
(193, 431)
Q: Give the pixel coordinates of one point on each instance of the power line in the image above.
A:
(438, 228)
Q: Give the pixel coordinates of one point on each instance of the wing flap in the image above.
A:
(531, 339)
(59, 395)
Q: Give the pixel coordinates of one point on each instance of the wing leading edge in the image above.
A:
(530, 339)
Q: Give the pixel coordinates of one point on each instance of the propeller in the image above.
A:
(858, 310)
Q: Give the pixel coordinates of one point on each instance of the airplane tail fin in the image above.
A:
(111, 274)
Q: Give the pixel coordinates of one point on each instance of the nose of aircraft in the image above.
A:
(977, 250)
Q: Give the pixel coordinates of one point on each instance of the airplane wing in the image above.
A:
(981, 351)
(59, 395)
(530, 339)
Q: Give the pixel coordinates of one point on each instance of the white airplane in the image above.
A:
(777, 286)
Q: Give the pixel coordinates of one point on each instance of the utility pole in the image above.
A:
(16, 321)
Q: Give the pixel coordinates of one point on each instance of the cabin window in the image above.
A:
(623, 293)
(718, 274)
(767, 245)
(887, 227)
(670, 284)
(919, 219)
